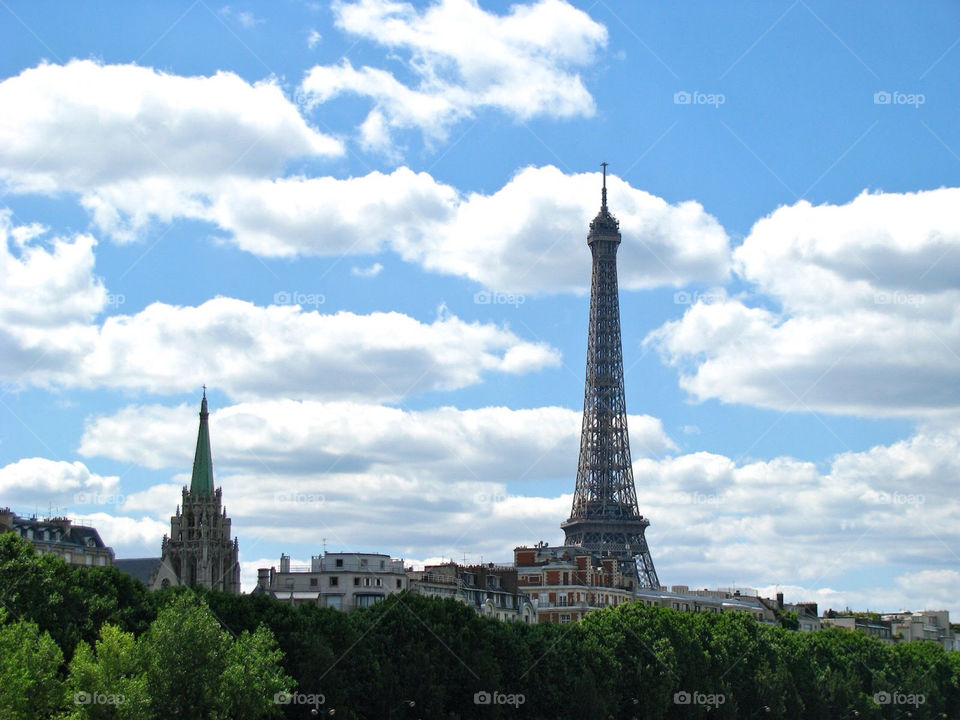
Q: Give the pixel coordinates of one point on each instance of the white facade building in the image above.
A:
(343, 581)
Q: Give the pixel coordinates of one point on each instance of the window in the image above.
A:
(313, 582)
(382, 566)
(339, 562)
(564, 618)
(399, 584)
(333, 581)
(368, 600)
(333, 601)
(363, 562)
(379, 582)
(356, 581)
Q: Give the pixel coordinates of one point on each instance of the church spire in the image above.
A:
(202, 482)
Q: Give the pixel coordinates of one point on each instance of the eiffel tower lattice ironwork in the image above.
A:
(605, 517)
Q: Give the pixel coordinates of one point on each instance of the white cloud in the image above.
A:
(464, 59)
(531, 236)
(922, 590)
(138, 145)
(128, 536)
(367, 272)
(528, 236)
(83, 126)
(295, 215)
(294, 473)
(41, 481)
(313, 39)
(48, 298)
(492, 444)
(865, 319)
(886, 510)
(250, 351)
(244, 17)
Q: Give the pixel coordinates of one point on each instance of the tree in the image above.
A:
(29, 661)
(108, 681)
(194, 669)
(185, 653)
(254, 678)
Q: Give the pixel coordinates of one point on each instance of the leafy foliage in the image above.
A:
(29, 660)
(206, 655)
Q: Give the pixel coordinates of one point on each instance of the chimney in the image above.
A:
(780, 600)
(263, 578)
(284, 563)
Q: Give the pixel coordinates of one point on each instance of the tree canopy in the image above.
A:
(74, 641)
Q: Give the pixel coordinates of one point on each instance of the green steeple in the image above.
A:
(202, 482)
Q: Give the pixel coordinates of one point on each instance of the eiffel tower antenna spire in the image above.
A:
(604, 517)
(603, 204)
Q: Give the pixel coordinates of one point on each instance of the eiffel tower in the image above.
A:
(604, 517)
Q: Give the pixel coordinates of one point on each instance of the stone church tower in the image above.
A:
(199, 551)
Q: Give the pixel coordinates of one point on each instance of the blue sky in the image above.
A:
(362, 225)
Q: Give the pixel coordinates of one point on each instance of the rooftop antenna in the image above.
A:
(324, 541)
(604, 165)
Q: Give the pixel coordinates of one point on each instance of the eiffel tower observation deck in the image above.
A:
(604, 517)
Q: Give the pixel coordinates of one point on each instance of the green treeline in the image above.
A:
(94, 643)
